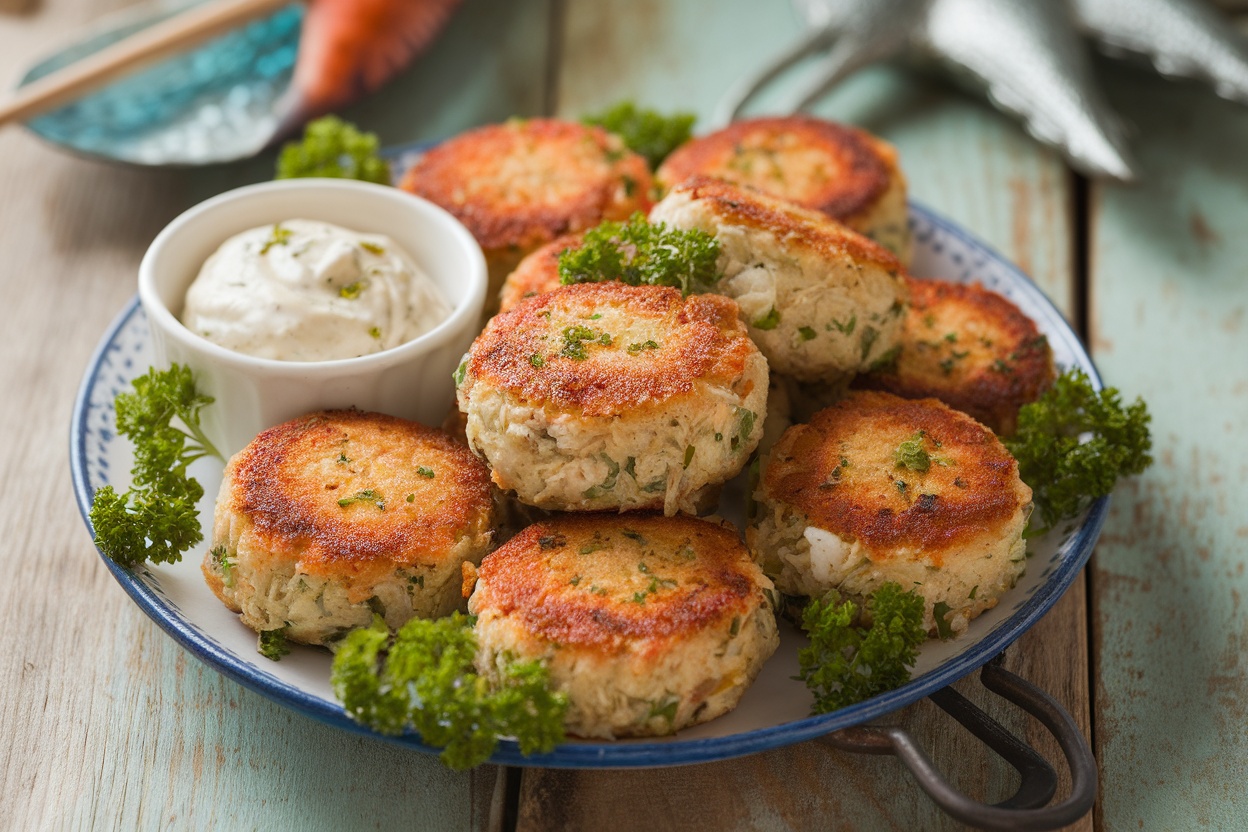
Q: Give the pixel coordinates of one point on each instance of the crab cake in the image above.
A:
(650, 624)
(519, 185)
(608, 396)
(326, 519)
(878, 488)
(972, 349)
(537, 274)
(822, 302)
(840, 171)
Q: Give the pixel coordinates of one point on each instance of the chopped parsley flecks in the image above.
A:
(366, 496)
(608, 483)
(635, 349)
(769, 321)
(846, 328)
(867, 340)
(272, 644)
(279, 237)
(940, 612)
(576, 337)
(911, 454)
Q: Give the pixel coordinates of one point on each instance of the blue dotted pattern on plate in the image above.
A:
(940, 247)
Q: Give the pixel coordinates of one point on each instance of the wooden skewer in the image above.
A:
(175, 34)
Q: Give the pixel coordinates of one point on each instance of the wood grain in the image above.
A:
(976, 167)
(1169, 319)
(106, 722)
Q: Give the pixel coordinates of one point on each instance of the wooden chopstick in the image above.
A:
(177, 33)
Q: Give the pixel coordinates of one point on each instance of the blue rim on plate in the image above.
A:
(1065, 566)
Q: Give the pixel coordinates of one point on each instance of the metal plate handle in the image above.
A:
(1026, 809)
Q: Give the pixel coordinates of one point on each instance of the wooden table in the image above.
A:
(108, 723)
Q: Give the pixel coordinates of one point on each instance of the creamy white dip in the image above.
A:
(310, 291)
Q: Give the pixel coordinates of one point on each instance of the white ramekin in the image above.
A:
(412, 380)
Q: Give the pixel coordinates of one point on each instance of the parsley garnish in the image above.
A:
(1074, 443)
(641, 253)
(425, 472)
(333, 148)
(156, 519)
(424, 677)
(646, 132)
(848, 661)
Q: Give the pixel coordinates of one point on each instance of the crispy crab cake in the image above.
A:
(326, 519)
(537, 273)
(972, 349)
(822, 302)
(519, 185)
(650, 624)
(840, 171)
(878, 488)
(607, 396)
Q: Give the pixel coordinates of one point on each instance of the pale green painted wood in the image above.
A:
(966, 161)
(1170, 323)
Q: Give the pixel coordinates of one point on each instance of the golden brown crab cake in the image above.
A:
(972, 349)
(607, 396)
(878, 488)
(840, 171)
(326, 519)
(650, 624)
(521, 184)
(822, 302)
(537, 273)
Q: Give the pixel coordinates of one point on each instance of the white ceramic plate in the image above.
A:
(774, 712)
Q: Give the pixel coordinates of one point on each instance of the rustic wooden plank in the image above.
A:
(974, 166)
(108, 723)
(1169, 317)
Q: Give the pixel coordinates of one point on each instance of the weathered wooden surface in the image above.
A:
(109, 724)
(1170, 322)
(106, 722)
(976, 167)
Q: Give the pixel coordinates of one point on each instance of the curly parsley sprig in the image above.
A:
(156, 520)
(333, 148)
(423, 676)
(1074, 443)
(642, 253)
(848, 660)
(646, 132)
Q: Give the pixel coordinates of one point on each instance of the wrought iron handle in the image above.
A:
(1027, 809)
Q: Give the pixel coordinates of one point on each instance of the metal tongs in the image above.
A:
(853, 35)
(1027, 56)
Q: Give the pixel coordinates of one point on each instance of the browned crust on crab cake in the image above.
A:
(523, 183)
(700, 339)
(841, 472)
(288, 482)
(537, 274)
(751, 208)
(575, 580)
(828, 167)
(972, 349)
